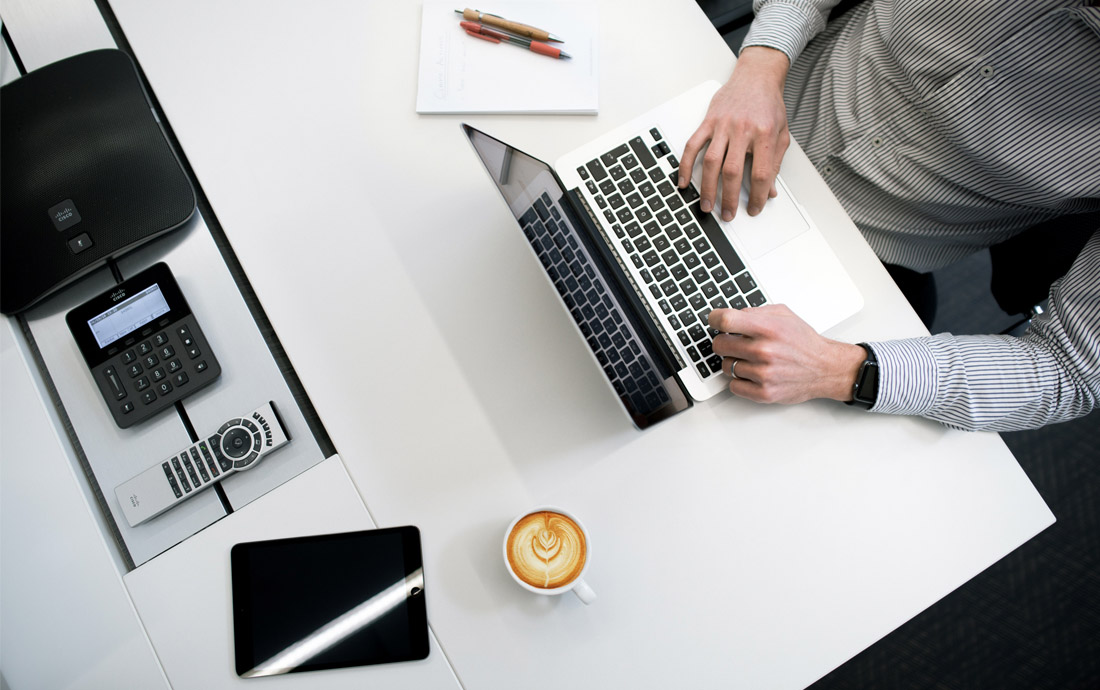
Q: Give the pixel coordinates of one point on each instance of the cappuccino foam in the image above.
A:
(546, 550)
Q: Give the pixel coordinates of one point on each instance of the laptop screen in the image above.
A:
(579, 271)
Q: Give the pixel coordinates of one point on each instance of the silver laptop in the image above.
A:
(639, 267)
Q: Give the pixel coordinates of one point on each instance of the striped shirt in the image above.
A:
(944, 127)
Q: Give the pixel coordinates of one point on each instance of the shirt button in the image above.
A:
(827, 170)
(876, 142)
(986, 71)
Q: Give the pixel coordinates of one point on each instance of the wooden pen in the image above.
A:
(509, 26)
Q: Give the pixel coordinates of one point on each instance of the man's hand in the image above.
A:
(777, 358)
(746, 116)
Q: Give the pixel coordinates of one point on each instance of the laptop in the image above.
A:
(639, 267)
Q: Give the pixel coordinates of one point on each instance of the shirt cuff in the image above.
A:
(907, 380)
(786, 25)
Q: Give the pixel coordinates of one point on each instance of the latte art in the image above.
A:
(546, 550)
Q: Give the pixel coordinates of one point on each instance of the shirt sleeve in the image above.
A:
(787, 25)
(1002, 383)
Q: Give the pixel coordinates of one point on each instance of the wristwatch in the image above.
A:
(865, 390)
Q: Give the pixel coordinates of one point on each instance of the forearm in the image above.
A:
(787, 25)
(1001, 383)
(980, 382)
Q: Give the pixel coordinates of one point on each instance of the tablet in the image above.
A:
(328, 601)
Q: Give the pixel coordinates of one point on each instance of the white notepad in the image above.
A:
(463, 74)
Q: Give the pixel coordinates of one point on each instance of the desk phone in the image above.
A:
(143, 345)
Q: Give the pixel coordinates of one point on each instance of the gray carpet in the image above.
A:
(1032, 620)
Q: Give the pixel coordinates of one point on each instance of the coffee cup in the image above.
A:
(547, 550)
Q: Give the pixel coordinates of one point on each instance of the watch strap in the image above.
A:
(865, 389)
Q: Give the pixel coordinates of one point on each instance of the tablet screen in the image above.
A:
(328, 601)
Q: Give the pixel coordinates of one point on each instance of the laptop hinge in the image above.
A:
(651, 326)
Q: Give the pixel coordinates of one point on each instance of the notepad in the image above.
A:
(462, 74)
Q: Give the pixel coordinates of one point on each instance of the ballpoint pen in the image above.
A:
(511, 27)
(478, 31)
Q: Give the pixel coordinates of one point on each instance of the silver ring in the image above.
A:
(733, 369)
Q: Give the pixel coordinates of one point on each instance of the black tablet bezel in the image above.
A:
(416, 610)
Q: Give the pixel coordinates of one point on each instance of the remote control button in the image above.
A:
(167, 352)
(229, 425)
(179, 473)
(201, 366)
(190, 469)
(174, 366)
(245, 462)
(199, 465)
(164, 388)
(142, 383)
(144, 348)
(216, 446)
(250, 426)
(160, 339)
(128, 356)
(148, 397)
(180, 378)
(209, 459)
(158, 374)
(127, 407)
(236, 443)
(151, 361)
(134, 370)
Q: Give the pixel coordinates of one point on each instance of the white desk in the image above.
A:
(734, 546)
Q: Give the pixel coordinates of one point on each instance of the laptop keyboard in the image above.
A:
(682, 261)
(594, 309)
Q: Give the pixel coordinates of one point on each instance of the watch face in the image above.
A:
(866, 390)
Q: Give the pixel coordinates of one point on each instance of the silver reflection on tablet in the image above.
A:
(341, 628)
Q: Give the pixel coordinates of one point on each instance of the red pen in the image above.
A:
(479, 31)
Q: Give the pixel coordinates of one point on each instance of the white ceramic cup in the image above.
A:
(577, 585)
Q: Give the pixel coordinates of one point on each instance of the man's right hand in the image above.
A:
(746, 116)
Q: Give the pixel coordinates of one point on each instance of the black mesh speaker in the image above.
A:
(86, 174)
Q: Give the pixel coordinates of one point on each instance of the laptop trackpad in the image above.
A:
(779, 222)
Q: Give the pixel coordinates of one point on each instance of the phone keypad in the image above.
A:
(160, 365)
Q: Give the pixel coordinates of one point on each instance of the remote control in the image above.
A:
(236, 446)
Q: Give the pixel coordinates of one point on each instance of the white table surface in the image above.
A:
(735, 545)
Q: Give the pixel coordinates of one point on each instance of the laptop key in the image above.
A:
(607, 187)
(625, 186)
(613, 155)
(745, 282)
(596, 170)
(638, 175)
(617, 172)
(756, 299)
(642, 152)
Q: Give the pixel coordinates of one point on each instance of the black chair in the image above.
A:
(1025, 265)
